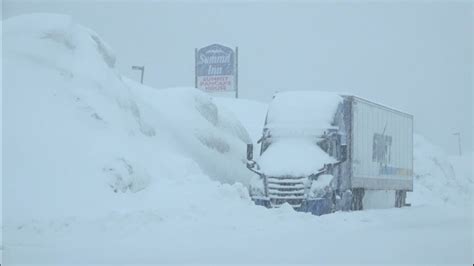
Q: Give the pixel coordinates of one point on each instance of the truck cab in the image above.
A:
(299, 147)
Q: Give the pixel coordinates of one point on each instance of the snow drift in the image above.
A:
(79, 137)
(439, 177)
(250, 113)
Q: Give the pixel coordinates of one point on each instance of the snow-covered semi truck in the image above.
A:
(322, 152)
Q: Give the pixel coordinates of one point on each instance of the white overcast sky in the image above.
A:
(416, 57)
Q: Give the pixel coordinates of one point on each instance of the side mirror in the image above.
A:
(249, 152)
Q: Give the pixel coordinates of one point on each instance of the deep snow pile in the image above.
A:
(249, 112)
(438, 177)
(81, 140)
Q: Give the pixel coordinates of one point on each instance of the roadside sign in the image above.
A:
(216, 69)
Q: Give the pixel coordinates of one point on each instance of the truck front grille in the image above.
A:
(289, 190)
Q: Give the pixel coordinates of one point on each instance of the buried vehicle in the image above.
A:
(322, 152)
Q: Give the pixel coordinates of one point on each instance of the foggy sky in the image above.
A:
(416, 57)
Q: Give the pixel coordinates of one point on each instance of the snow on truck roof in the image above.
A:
(378, 105)
(311, 111)
(315, 107)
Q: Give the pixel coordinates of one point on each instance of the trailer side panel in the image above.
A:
(382, 147)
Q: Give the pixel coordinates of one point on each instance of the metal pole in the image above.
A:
(195, 68)
(236, 72)
(142, 69)
(459, 142)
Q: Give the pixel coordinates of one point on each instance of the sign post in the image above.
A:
(216, 69)
(236, 75)
(195, 68)
(142, 69)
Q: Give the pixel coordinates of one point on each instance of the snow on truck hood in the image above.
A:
(293, 157)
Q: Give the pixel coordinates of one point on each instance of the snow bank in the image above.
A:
(82, 141)
(250, 113)
(302, 112)
(293, 157)
(212, 136)
(439, 177)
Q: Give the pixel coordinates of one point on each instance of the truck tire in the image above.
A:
(400, 198)
(357, 196)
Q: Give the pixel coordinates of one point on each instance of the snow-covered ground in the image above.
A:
(100, 169)
(242, 233)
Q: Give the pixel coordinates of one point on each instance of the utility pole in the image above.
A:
(236, 72)
(459, 142)
(195, 68)
(142, 69)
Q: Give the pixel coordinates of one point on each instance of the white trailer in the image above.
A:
(380, 153)
(370, 147)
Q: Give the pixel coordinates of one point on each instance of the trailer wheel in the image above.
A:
(400, 198)
(357, 196)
